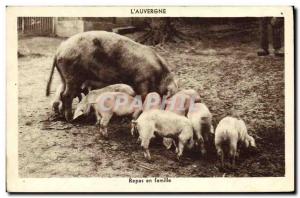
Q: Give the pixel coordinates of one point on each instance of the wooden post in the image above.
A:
(131, 20)
(54, 24)
(23, 25)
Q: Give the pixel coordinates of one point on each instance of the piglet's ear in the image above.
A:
(252, 142)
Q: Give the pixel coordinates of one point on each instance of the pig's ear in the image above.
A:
(252, 141)
(82, 95)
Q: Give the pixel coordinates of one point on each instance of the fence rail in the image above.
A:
(42, 26)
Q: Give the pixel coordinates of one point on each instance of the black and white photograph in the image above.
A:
(151, 97)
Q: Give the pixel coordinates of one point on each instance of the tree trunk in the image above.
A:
(161, 30)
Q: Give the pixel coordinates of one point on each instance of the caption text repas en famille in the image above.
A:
(149, 180)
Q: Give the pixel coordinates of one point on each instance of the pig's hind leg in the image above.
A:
(220, 154)
(104, 123)
(182, 140)
(145, 141)
(180, 149)
(57, 103)
(145, 145)
(98, 117)
(71, 91)
(67, 98)
(198, 130)
(200, 141)
(233, 153)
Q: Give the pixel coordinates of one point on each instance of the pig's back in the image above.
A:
(165, 120)
(198, 111)
(92, 95)
(226, 129)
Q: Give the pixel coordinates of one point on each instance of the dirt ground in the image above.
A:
(230, 77)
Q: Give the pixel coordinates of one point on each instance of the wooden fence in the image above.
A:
(40, 26)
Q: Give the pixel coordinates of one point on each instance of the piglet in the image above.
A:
(180, 103)
(84, 106)
(201, 119)
(164, 124)
(114, 103)
(229, 133)
(152, 101)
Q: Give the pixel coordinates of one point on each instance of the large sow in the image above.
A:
(109, 58)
